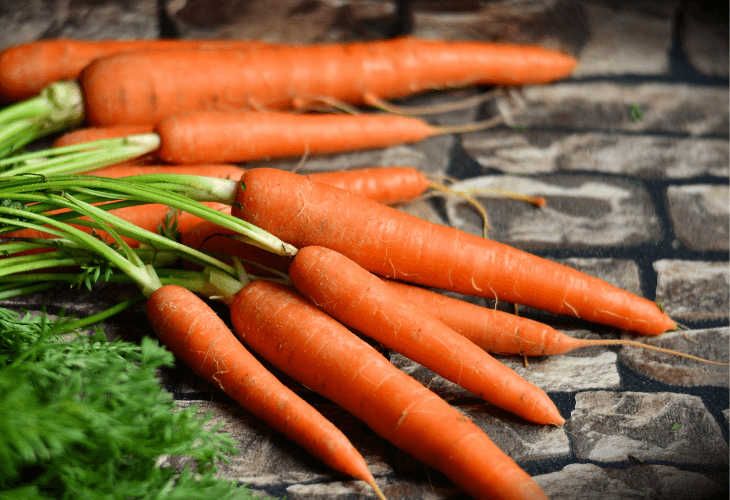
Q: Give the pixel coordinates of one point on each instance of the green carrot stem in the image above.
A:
(75, 159)
(101, 316)
(58, 106)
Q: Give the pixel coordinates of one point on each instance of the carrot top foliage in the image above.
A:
(83, 417)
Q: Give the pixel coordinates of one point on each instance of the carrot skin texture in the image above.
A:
(492, 330)
(137, 87)
(196, 335)
(360, 300)
(396, 245)
(239, 136)
(387, 185)
(319, 352)
(26, 69)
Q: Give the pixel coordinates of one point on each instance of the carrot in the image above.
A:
(219, 170)
(310, 346)
(157, 84)
(393, 244)
(387, 185)
(26, 69)
(196, 335)
(363, 302)
(219, 136)
(503, 333)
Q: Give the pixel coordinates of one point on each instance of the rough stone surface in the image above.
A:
(646, 482)
(550, 23)
(712, 344)
(693, 290)
(614, 427)
(644, 156)
(289, 21)
(632, 39)
(22, 22)
(700, 215)
(606, 106)
(704, 41)
(581, 211)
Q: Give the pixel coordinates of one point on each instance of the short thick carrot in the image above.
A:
(197, 336)
(319, 352)
(26, 69)
(239, 136)
(396, 245)
(361, 301)
(155, 85)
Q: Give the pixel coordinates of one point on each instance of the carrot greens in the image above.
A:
(83, 417)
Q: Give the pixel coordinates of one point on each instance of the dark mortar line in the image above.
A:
(165, 27)
(612, 131)
(696, 79)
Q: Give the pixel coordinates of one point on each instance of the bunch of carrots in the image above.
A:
(302, 261)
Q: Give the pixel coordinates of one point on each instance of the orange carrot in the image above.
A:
(319, 352)
(219, 170)
(387, 185)
(503, 333)
(219, 136)
(26, 69)
(156, 84)
(196, 335)
(360, 300)
(393, 244)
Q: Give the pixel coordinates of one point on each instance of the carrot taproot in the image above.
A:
(219, 170)
(387, 185)
(503, 333)
(200, 338)
(383, 184)
(26, 69)
(238, 136)
(397, 245)
(360, 300)
(318, 351)
(157, 84)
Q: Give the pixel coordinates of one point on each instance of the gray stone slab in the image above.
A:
(582, 211)
(568, 373)
(644, 156)
(393, 489)
(614, 427)
(521, 441)
(695, 110)
(550, 23)
(23, 22)
(700, 215)
(704, 37)
(627, 38)
(285, 21)
(693, 290)
(550, 373)
(711, 344)
(645, 482)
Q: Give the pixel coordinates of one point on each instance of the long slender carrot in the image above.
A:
(157, 84)
(26, 69)
(393, 244)
(503, 333)
(238, 136)
(196, 335)
(360, 300)
(319, 352)
(387, 185)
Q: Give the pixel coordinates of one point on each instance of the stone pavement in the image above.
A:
(631, 154)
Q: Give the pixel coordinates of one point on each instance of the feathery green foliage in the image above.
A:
(85, 418)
